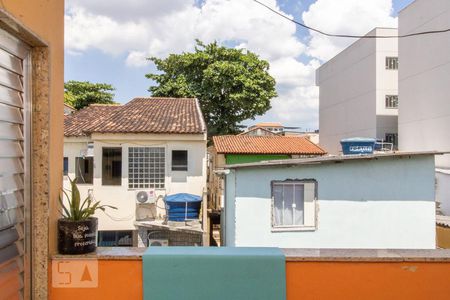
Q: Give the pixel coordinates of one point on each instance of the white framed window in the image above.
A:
(391, 63)
(391, 101)
(293, 204)
(146, 167)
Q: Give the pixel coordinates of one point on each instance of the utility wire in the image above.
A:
(349, 35)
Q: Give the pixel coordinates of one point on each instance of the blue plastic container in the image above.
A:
(183, 207)
(358, 146)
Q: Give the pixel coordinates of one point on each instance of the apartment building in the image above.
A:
(424, 90)
(359, 92)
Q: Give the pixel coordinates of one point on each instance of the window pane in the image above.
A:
(299, 196)
(84, 169)
(179, 160)
(112, 166)
(66, 166)
(278, 204)
(288, 204)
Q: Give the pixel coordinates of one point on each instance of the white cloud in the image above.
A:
(98, 26)
(143, 28)
(354, 17)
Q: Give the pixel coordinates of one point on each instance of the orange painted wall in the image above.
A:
(46, 19)
(367, 280)
(122, 279)
(118, 279)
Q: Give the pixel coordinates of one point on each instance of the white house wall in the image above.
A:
(192, 181)
(424, 89)
(385, 203)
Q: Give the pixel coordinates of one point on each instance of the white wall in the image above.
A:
(192, 181)
(353, 85)
(384, 203)
(424, 82)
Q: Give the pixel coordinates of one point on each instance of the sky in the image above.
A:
(108, 41)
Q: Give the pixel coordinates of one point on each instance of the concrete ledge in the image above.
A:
(367, 255)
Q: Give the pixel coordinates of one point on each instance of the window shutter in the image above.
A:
(310, 204)
(14, 160)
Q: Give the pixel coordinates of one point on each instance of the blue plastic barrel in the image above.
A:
(183, 206)
(358, 146)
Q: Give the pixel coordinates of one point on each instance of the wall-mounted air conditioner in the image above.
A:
(145, 197)
(158, 243)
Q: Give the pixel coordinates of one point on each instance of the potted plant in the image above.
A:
(77, 229)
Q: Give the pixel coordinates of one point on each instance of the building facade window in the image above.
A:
(65, 166)
(293, 204)
(146, 167)
(84, 169)
(112, 166)
(391, 63)
(115, 238)
(391, 101)
(179, 160)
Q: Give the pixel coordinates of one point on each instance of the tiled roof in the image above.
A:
(76, 123)
(147, 115)
(244, 144)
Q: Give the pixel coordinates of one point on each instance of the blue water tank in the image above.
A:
(358, 146)
(183, 206)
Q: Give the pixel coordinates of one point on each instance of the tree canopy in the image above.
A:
(232, 85)
(82, 93)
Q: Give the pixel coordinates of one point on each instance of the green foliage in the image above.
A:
(230, 84)
(77, 210)
(82, 93)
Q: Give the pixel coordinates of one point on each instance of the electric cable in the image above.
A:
(350, 35)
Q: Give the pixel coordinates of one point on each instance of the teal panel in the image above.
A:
(223, 273)
(249, 158)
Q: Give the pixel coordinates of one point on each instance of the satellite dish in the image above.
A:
(142, 197)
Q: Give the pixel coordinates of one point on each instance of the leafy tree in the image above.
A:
(82, 93)
(232, 85)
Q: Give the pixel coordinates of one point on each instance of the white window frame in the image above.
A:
(146, 184)
(309, 209)
(391, 62)
(389, 100)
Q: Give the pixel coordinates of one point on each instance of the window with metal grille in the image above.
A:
(391, 63)
(391, 101)
(146, 167)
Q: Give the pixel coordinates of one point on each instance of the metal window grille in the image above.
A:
(391, 101)
(146, 167)
(391, 63)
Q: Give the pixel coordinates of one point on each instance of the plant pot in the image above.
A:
(77, 237)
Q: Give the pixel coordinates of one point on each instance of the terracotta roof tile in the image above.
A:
(75, 124)
(243, 144)
(149, 115)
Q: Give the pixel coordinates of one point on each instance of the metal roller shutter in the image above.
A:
(14, 167)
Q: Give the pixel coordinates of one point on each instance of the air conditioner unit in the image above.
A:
(158, 243)
(145, 197)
